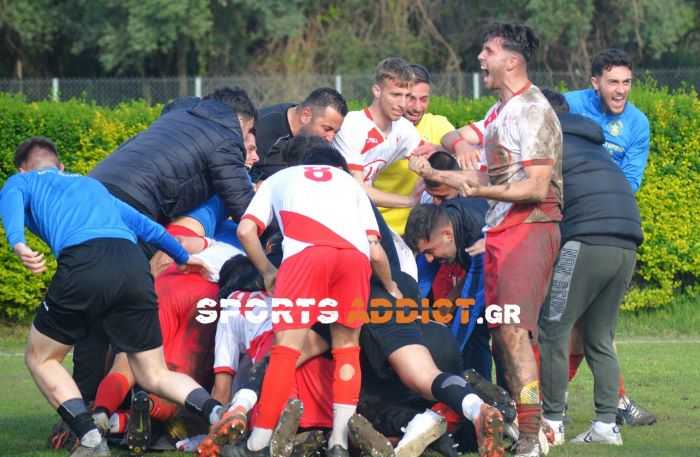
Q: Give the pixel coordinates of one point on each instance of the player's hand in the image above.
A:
(477, 248)
(424, 149)
(468, 156)
(269, 278)
(159, 263)
(420, 165)
(31, 259)
(469, 188)
(394, 291)
(195, 265)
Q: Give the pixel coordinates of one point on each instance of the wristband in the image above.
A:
(461, 138)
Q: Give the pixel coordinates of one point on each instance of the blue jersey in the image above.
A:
(66, 209)
(626, 134)
(214, 218)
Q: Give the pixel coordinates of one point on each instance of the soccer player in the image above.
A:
(327, 254)
(625, 127)
(397, 178)
(102, 275)
(379, 135)
(321, 114)
(522, 156)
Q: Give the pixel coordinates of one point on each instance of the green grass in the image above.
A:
(659, 354)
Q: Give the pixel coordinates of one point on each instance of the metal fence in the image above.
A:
(265, 90)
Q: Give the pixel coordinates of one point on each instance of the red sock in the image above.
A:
(347, 363)
(529, 418)
(452, 418)
(621, 390)
(574, 362)
(112, 391)
(277, 385)
(538, 357)
(162, 410)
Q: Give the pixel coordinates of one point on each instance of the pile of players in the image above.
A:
(349, 215)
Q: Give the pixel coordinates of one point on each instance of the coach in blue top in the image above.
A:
(626, 129)
(102, 278)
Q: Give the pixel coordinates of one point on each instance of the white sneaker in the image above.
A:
(600, 432)
(554, 430)
(422, 430)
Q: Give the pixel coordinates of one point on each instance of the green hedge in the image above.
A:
(668, 260)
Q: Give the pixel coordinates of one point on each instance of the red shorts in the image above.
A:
(188, 344)
(518, 266)
(313, 383)
(320, 272)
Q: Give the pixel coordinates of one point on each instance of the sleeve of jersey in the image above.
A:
(479, 129)
(210, 214)
(442, 128)
(349, 142)
(539, 135)
(260, 209)
(12, 204)
(226, 352)
(151, 232)
(635, 159)
(411, 139)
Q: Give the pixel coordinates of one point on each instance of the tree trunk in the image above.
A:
(182, 64)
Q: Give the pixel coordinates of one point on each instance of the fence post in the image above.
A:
(476, 85)
(339, 83)
(54, 89)
(198, 86)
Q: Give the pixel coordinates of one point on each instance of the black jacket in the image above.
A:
(195, 149)
(599, 205)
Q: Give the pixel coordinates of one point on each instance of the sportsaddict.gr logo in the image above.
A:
(377, 311)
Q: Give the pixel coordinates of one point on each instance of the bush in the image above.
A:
(668, 260)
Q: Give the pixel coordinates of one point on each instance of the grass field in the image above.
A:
(659, 353)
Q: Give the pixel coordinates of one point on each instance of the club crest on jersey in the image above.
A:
(374, 138)
(615, 128)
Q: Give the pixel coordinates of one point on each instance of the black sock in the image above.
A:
(451, 390)
(256, 376)
(74, 412)
(199, 402)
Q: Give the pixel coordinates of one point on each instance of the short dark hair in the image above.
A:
(237, 99)
(395, 69)
(239, 273)
(28, 146)
(557, 100)
(285, 153)
(422, 220)
(516, 37)
(325, 97)
(325, 155)
(420, 74)
(609, 58)
(441, 160)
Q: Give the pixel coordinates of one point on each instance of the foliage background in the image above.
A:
(668, 261)
(137, 38)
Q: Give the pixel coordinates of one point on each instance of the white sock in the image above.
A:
(623, 402)
(471, 406)
(215, 414)
(246, 398)
(259, 438)
(91, 438)
(341, 415)
(556, 425)
(603, 427)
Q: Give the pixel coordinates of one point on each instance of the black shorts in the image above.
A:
(103, 281)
